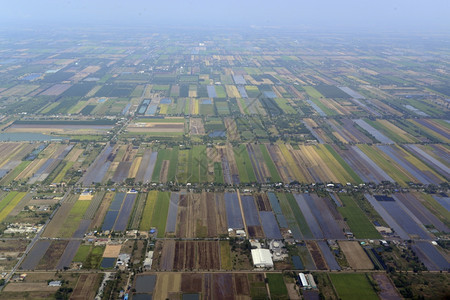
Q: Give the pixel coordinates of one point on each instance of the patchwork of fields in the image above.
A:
(163, 160)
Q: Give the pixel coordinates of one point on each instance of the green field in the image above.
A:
(94, 258)
(359, 224)
(245, 168)
(288, 214)
(161, 209)
(312, 92)
(155, 212)
(275, 177)
(82, 253)
(170, 155)
(148, 211)
(218, 173)
(337, 164)
(277, 286)
(73, 219)
(63, 172)
(387, 165)
(14, 173)
(9, 202)
(299, 218)
(225, 256)
(353, 286)
(285, 106)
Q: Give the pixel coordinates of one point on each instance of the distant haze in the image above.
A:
(348, 15)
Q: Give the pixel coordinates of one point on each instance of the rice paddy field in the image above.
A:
(162, 155)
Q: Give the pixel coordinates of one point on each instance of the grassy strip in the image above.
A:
(218, 173)
(388, 166)
(299, 216)
(13, 174)
(275, 177)
(243, 176)
(353, 286)
(277, 286)
(360, 225)
(148, 211)
(344, 165)
(283, 104)
(137, 212)
(225, 256)
(173, 164)
(288, 213)
(9, 202)
(82, 253)
(245, 159)
(63, 172)
(73, 219)
(162, 155)
(161, 209)
(312, 92)
(94, 258)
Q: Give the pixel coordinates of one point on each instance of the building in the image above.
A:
(54, 283)
(303, 281)
(262, 258)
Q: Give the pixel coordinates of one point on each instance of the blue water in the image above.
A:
(27, 136)
(270, 94)
(32, 76)
(217, 133)
(165, 101)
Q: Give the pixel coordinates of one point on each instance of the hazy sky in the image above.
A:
(383, 15)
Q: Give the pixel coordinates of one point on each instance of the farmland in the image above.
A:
(157, 160)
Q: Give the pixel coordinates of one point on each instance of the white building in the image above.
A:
(262, 258)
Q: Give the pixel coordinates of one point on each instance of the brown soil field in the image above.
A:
(223, 286)
(52, 256)
(231, 161)
(355, 255)
(30, 287)
(56, 89)
(191, 283)
(241, 284)
(86, 287)
(191, 218)
(262, 201)
(182, 217)
(167, 256)
(156, 127)
(387, 289)
(74, 154)
(232, 132)
(196, 126)
(255, 232)
(317, 256)
(164, 171)
(167, 284)
(112, 251)
(101, 212)
(193, 255)
(208, 255)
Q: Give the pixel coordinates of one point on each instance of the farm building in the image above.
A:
(262, 258)
(303, 281)
(54, 283)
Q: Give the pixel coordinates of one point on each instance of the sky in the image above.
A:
(348, 15)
